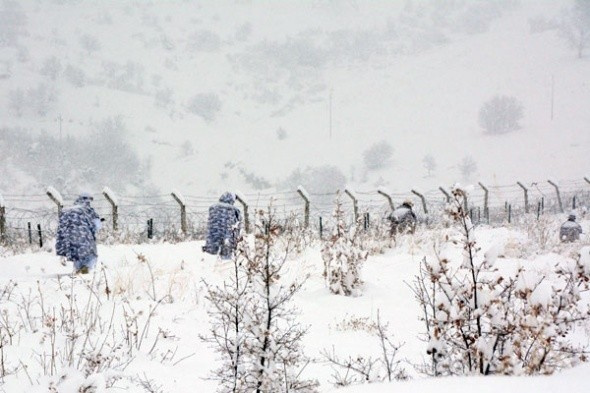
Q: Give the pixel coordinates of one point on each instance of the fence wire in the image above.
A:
(32, 219)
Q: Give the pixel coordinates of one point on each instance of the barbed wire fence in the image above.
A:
(31, 220)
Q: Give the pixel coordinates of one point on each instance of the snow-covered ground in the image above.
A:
(152, 295)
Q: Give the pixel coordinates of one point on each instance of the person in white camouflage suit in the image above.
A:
(76, 234)
(403, 219)
(223, 227)
(570, 230)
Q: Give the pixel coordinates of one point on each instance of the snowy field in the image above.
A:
(140, 316)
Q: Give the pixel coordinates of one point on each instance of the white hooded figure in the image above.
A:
(570, 230)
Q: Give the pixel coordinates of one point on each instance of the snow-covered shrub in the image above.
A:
(164, 97)
(501, 114)
(205, 105)
(325, 180)
(52, 68)
(75, 75)
(467, 167)
(17, 101)
(41, 99)
(480, 320)
(89, 43)
(203, 41)
(12, 22)
(253, 321)
(366, 369)
(343, 256)
(378, 155)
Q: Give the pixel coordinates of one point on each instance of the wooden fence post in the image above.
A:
(355, 206)
(526, 196)
(486, 195)
(112, 199)
(303, 193)
(587, 180)
(242, 200)
(387, 196)
(446, 194)
(422, 199)
(181, 201)
(2, 220)
(558, 194)
(56, 197)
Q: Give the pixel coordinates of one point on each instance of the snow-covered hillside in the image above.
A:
(238, 95)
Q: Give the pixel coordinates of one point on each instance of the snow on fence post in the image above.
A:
(112, 199)
(181, 201)
(2, 220)
(240, 198)
(56, 197)
(303, 193)
(422, 199)
(387, 196)
(355, 205)
(30, 232)
(446, 194)
(526, 196)
(558, 194)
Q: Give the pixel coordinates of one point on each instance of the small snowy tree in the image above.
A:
(253, 322)
(343, 256)
(429, 164)
(274, 355)
(229, 303)
(575, 27)
(468, 167)
(500, 115)
(480, 320)
(378, 156)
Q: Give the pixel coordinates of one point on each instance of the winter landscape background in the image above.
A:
(262, 97)
(209, 96)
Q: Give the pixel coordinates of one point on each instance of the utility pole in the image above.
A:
(552, 93)
(59, 120)
(330, 110)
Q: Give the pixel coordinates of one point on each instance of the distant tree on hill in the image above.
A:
(378, 156)
(575, 26)
(12, 22)
(429, 164)
(468, 167)
(205, 105)
(500, 115)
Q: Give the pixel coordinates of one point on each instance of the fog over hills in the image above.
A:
(261, 95)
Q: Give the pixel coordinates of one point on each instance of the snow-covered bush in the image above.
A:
(366, 369)
(481, 320)
(253, 322)
(343, 256)
(75, 75)
(52, 68)
(89, 43)
(205, 105)
(500, 115)
(378, 155)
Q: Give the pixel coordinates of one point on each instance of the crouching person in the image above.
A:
(223, 227)
(76, 234)
(403, 219)
(570, 230)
